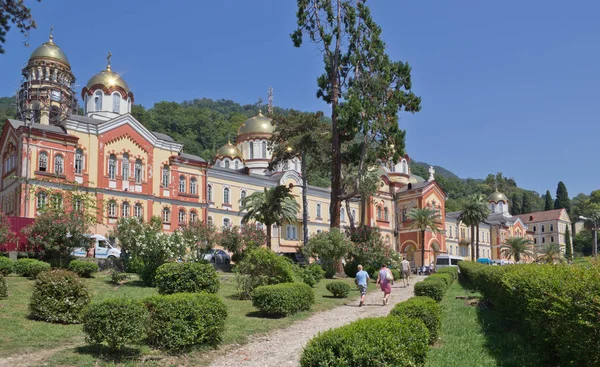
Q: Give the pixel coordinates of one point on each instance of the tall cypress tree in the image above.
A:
(549, 205)
(515, 205)
(562, 198)
(568, 250)
(526, 207)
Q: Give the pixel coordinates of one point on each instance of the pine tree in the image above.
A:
(568, 250)
(549, 205)
(515, 205)
(526, 207)
(562, 198)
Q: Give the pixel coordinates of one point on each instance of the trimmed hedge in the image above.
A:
(423, 308)
(83, 268)
(30, 267)
(339, 289)
(3, 287)
(186, 278)
(446, 277)
(396, 274)
(116, 321)
(58, 296)
(181, 320)
(556, 306)
(453, 270)
(431, 289)
(283, 299)
(6, 266)
(369, 342)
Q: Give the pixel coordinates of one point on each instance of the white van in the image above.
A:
(103, 249)
(443, 261)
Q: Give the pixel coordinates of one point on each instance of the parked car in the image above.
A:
(485, 260)
(447, 260)
(295, 257)
(101, 249)
(501, 262)
(218, 257)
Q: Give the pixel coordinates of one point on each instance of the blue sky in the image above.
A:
(507, 86)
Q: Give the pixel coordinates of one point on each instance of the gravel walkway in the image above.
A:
(282, 347)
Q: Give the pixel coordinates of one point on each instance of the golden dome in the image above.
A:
(108, 78)
(257, 124)
(497, 197)
(51, 51)
(229, 150)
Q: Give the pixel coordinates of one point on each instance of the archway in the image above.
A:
(435, 247)
(409, 250)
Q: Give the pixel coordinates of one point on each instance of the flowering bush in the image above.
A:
(59, 296)
(240, 241)
(198, 238)
(369, 250)
(329, 247)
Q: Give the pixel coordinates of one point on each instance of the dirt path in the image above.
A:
(31, 359)
(282, 347)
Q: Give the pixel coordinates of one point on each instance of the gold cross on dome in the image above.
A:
(108, 59)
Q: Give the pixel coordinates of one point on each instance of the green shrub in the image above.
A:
(262, 267)
(83, 268)
(423, 308)
(186, 278)
(116, 277)
(369, 342)
(317, 271)
(434, 288)
(446, 277)
(6, 266)
(58, 296)
(310, 275)
(453, 270)
(396, 274)
(283, 299)
(30, 267)
(117, 322)
(3, 287)
(181, 320)
(339, 289)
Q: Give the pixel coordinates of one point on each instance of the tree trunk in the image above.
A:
(304, 199)
(336, 145)
(422, 248)
(595, 243)
(350, 217)
(472, 242)
(269, 226)
(477, 241)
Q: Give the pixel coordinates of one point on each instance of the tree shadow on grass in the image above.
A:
(104, 353)
(135, 283)
(263, 315)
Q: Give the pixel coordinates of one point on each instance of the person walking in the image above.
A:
(405, 272)
(385, 280)
(362, 277)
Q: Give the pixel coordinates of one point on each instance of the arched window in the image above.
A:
(138, 211)
(193, 216)
(387, 240)
(264, 149)
(98, 101)
(209, 220)
(181, 183)
(543, 229)
(379, 213)
(251, 150)
(181, 216)
(319, 211)
(296, 165)
(543, 239)
(386, 214)
(79, 161)
(137, 171)
(125, 167)
(242, 194)
(501, 207)
(112, 166)
(116, 102)
(209, 193)
(43, 162)
(41, 199)
(226, 195)
(551, 239)
(286, 165)
(354, 215)
(125, 209)
(166, 215)
(237, 164)
(77, 205)
(404, 166)
(59, 164)
(534, 229)
(165, 176)
(551, 227)
(226, 223)
(342, 215)
(193, 186)
(226, 164)
(112, 208)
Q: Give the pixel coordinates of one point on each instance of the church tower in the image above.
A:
(46, 95)
(498, 203)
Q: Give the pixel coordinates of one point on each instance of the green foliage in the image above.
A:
(178, 321)
(550, 253)
(370, 342)
(453, 270)
(339, 289)
(310, 275)
(83, 268)
(7, 266)
(562, 198)
(30, 267)
(116, 277)
(396, 274)
(199, 238)
(434, 288)
(446, 277)
(14, 13)
(329, 247)
(3, 287)
(59, 296)
(548, 202)
(423, 219)
(526, 207)
(425, 309)
(262, 267)
(517, 247)
(283, 299)
(115, 321)
(178, 277)
(368, 250)
(568, 248)
(515, 204)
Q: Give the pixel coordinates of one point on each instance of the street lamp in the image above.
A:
(593, 220)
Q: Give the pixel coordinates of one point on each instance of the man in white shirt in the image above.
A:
(405, 271)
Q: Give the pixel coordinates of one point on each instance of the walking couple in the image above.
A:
(385, 279)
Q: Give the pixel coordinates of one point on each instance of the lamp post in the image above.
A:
(593, 220)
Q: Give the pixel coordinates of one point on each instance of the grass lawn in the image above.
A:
(476, 336)
(19, 335)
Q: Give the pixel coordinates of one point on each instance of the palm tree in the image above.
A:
(470, 216)
(423, 219)
(483, 210)
(271, 206)
(517, 247)
(551, 253)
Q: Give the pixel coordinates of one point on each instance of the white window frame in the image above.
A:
(112, 167)
(125, 209)
(193, 186)
(138, 210)
(125, 167)
(166, 215)
(182, 183)
(59, 164)
(78, 161)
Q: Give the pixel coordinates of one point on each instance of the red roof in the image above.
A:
(541, 216)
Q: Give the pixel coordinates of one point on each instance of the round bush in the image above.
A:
(262, 267)
(453, 270)
(446, 277)
(186, 278)
(283, 299)
(396, 274)
(117, 322)
(83, 268)
(317, 271)
(339, 289)
(369, 342)
(181, 320)
(6, 266)
(434, 289)
(303, 275)
(424, 309)
(59, 296)
(30, 267)
(3, 287)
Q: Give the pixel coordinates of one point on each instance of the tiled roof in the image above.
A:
(541, 216)
(192, 157)
(51, 128)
